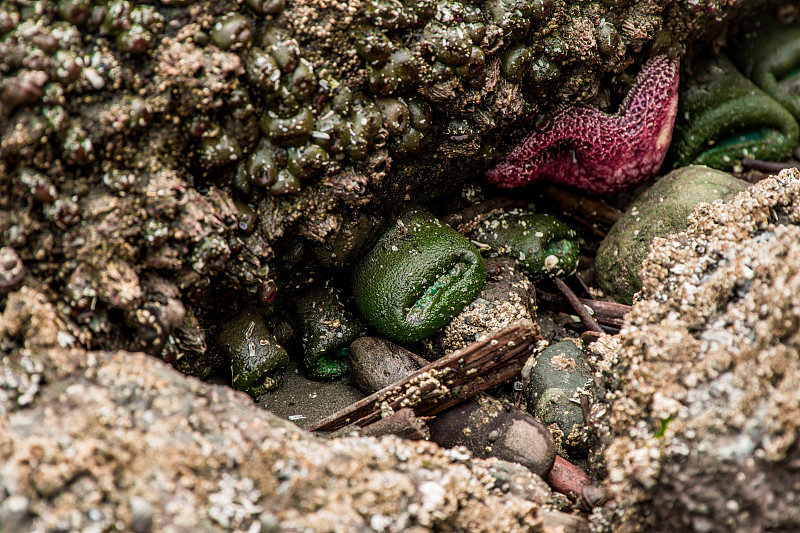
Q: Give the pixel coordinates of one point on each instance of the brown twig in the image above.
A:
(588, 208)
(770, 167)
(580, 328)
(584, 287)
(585, 405)
(585, 261)
(605, 313)
(590, 226)
(588, 322)
(567, 478)
(448, 381)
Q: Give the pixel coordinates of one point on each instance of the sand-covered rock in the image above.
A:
(703, 404)
(99, 441)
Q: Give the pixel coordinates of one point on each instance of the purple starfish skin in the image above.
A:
(602, 153)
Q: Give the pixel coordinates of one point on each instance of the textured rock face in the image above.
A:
(117, 440)
(190, 147)
(703, 409)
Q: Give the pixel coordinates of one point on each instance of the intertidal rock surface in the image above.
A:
(701, 421)
(100, 441)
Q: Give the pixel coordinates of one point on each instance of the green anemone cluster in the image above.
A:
(770, 56)
(724, 117)
(311, 123)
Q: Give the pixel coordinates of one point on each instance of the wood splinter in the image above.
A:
(587, 319)
(605, 313)
(446, 382)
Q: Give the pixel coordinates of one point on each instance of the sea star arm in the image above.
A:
(597, 151)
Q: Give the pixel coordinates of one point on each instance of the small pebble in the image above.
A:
(141, 515)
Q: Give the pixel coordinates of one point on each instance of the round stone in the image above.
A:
(661, 210)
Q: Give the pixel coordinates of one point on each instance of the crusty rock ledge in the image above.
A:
(98, 441)
(703, 404)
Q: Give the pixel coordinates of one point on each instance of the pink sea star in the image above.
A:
(602, 153)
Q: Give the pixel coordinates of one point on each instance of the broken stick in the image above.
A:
(448, 381)
(605, 313)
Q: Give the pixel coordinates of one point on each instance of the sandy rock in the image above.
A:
(109, 440)
(702, 419)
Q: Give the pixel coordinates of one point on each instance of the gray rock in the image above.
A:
(377, 363)
(554, 382)
(659, 211)
(702, 413)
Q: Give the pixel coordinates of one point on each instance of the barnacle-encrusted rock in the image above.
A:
(129, 132)
(659, 211)
(121, 440)
(701, 420)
